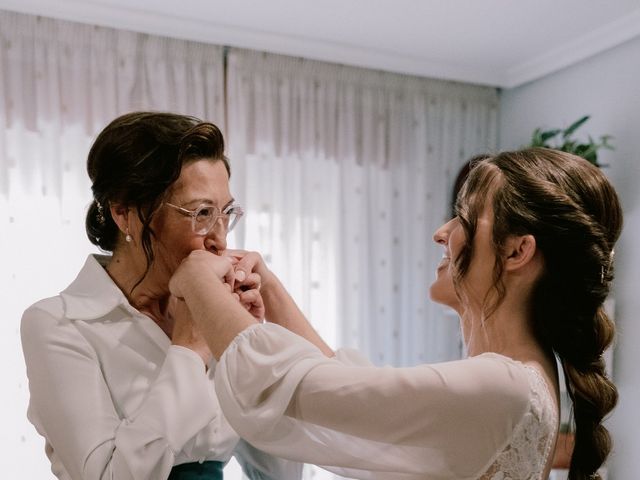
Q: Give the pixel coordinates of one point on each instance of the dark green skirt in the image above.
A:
(197, 471)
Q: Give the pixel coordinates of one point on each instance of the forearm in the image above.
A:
(282, 309)
(178, 405)
(217, 313)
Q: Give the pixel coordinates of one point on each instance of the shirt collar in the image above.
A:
(93, 293)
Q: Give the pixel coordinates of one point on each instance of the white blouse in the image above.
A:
(114, 399)
(486, 417)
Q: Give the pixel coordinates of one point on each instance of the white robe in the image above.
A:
(483, 417)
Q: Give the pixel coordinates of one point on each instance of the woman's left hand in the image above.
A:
(252, 301)
(248, 292)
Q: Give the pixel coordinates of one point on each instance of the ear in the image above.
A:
(120, 215)
(520, 251)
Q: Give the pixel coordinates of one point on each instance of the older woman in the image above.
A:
(121, 382)
(527, 262)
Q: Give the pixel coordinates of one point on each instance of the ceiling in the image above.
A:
(502, 43)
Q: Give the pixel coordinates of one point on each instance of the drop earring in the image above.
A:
(127, 237)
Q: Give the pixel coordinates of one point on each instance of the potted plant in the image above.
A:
(562, 139)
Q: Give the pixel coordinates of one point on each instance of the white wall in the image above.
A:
(607, 87)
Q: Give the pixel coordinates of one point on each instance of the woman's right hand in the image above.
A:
(201, 267)
(205, 282)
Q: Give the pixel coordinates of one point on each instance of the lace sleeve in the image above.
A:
(526, 455)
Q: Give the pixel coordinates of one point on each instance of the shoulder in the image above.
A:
(47, 312)
(488, 371)
(495, 383)
(490, 382)
(47, 335)
(512, 377)
(53, 310)
(484, 401)
(45, 324)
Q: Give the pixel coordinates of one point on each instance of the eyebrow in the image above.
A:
(201, 201)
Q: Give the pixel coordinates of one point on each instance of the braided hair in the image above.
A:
(573, 212)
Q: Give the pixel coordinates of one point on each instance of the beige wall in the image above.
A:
(607, 87)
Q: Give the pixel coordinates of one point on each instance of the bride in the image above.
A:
(527, 263)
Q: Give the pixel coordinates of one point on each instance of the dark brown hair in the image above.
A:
(135, 160)
(463, 173)
(573, 212)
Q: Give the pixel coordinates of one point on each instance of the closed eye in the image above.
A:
(206, 212)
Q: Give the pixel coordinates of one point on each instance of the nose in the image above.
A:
(441, 235)
(216, 240)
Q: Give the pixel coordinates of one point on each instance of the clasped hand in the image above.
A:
(241, 273)
(237, 271)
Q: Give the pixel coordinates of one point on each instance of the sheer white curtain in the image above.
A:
(60, 83)
(345, 174)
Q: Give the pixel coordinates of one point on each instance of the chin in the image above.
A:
(444, 296)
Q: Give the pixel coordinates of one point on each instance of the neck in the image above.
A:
(147, 295)
(506, 331)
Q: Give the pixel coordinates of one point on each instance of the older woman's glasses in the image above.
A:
(205, 217)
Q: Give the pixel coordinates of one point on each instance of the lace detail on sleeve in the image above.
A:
(526, 455)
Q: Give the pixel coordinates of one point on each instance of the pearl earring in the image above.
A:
(127, 237)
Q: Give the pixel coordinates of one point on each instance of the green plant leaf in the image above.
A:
(536, 138)
(587, 150)
(574, 126)
(604, 142)
(591, 158)
(546, 135)
(568, 146)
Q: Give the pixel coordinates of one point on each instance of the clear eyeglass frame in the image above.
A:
(205, 217)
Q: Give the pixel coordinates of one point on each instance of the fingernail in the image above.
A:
(240, 275)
